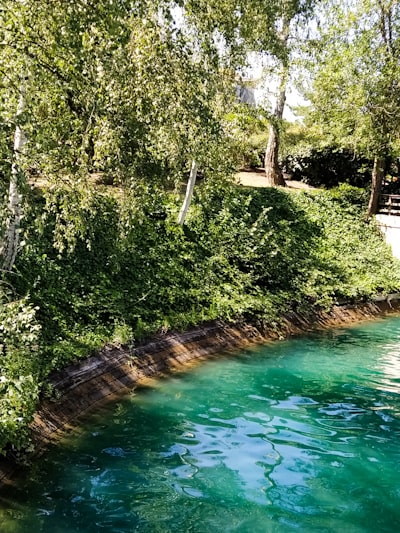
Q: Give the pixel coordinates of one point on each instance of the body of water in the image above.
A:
(301, 435)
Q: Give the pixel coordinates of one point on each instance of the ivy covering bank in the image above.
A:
(99, 268)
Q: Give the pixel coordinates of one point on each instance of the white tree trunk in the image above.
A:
(189, 194)
(8, 250)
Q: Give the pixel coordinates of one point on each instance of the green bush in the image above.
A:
(354, 261)
(129, 263)
(249, 129)
(327, 167)
(20, 368)
(99, 268)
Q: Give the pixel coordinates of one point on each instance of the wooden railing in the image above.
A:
(389, 204)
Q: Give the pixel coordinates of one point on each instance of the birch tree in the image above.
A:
(116, 87)
(182, 94)
(273, 172)
(268, 29)
(15, 70)
(9, 247)
(189, 193)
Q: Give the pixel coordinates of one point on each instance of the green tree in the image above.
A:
(355, 91)
(273, 29)
(294, 16)
(116, 87)
(51, 69)
(273, 171)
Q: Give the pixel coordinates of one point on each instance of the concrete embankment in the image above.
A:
(115, 371)
(390, 227)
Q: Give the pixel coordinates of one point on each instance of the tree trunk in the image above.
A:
(189, 193)
(9, 248)
(273, 172)
(378, 173)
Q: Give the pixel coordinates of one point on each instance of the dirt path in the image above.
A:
(256, 178)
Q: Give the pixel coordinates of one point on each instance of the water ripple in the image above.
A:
(297, 436)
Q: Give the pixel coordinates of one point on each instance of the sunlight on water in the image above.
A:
(301, 435)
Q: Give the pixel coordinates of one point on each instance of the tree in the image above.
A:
(269, 29)
(273, 171)
(189, 193)
(355, 91)
(288, 36)
(9, 248)
(48, 93)
(115, 87)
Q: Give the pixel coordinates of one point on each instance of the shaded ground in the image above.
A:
(248, 178)
(256, 178)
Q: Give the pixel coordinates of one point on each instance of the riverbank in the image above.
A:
(116, 370)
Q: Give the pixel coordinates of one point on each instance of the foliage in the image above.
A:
(350, 197)
(249, 129)
(356, 263)
(327, 167)
(98, 268)
(123, 89)
(355, 91)
(19, 368)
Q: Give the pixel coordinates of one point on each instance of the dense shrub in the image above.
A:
(253, 150)
(350, 197)
(354, 262)
(19, 368)
(98, 268)
(95, 262)
(327, 167)
(249, 129)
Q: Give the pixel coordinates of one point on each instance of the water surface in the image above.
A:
(302, 435)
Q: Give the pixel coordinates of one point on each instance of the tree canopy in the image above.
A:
(355, 92)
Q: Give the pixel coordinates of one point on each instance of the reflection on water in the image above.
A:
(302, 435)
(388, 368)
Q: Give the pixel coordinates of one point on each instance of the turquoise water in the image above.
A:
(302, 435)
